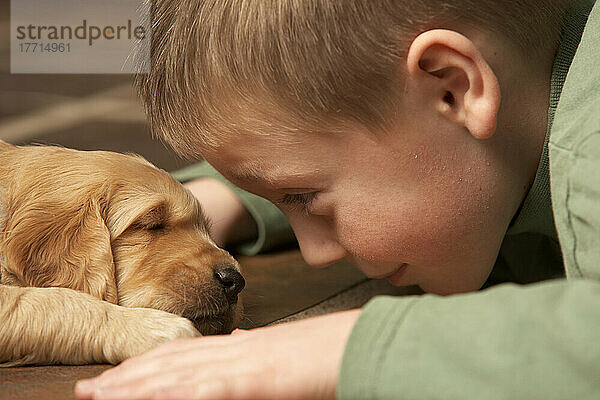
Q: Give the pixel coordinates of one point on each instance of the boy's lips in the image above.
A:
(396, 277)
(390, 275)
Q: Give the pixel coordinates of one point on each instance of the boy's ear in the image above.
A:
(465, 90)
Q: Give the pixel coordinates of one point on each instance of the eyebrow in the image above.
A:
(250, 172)
(247, 171)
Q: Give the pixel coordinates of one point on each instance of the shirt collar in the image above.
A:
(535, 214)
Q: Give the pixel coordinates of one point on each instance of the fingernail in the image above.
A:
(84, 386)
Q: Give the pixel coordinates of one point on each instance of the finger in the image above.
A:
(226, 383)
(84, 389)
(249, 385)
(198, 358)
(145, 388)
(167, 356)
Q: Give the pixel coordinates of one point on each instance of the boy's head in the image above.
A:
(382, 116)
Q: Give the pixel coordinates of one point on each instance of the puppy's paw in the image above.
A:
(141, 329)
(164, 326)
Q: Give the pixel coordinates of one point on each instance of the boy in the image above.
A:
(417, 140)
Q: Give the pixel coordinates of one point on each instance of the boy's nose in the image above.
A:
(318, 245)
(320, 257)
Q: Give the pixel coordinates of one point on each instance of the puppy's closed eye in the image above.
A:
(154, 219)
(159, 226)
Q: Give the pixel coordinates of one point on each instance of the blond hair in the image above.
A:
(218, 67)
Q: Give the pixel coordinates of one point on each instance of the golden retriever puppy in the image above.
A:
(103, 256)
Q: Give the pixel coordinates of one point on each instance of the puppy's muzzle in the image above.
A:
(215, 306)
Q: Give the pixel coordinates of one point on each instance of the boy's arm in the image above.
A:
(246, 223)
(295, 360)
(508, 342)
(528, 342)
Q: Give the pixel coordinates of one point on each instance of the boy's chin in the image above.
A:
(449, 288)
(407, 275)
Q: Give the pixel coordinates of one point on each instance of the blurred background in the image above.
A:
(87, 112)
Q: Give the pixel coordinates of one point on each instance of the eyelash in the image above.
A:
(301, 200)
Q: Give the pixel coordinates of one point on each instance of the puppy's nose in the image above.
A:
(232, 281)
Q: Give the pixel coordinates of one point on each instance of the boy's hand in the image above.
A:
(298, 360)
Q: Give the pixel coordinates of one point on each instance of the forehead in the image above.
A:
(254, 127)
(249, 156)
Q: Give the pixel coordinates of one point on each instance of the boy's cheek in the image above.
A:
(404, 236)
(444, 253)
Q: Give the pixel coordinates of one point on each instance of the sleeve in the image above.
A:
(274, 230)
(508, 342)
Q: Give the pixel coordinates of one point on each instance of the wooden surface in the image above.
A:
(281, 284)
(44, 383)
(278, 285)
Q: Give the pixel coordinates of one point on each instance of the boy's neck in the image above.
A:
(526, 98)
(523, 115)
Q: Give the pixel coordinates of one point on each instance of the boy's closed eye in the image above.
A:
(301, 201)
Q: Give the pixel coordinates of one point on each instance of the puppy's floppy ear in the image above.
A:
(56, 245)
(142, 213)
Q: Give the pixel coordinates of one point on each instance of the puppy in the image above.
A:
(102, 257)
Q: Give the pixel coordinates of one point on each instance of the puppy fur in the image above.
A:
(102, 257)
